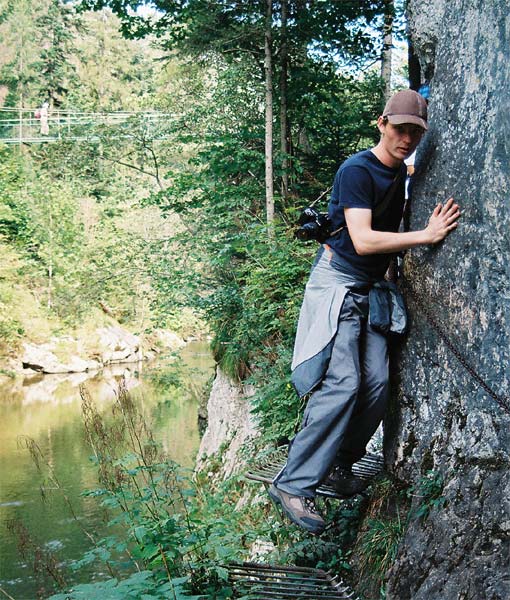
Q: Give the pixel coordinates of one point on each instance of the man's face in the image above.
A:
(400, 141)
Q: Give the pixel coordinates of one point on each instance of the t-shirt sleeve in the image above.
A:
(353, 188)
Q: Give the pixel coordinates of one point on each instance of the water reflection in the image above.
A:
(48, 410)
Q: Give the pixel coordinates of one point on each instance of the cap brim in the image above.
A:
(401, 119)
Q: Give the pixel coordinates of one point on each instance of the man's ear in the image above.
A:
(381, 125)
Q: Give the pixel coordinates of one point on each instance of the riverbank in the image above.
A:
(165, 390)
(85, 351)
(37, 338)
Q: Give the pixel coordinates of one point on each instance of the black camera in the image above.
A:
(313, 225)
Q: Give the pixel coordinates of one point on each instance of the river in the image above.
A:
(47, 409)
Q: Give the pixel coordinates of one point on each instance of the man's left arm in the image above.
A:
(370, 241)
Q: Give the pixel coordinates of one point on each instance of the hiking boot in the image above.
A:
(345, 482)
(300, 510)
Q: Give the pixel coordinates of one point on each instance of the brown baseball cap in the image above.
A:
(406, 106)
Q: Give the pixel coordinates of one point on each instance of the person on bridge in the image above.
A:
(340, 353)
(43, 115)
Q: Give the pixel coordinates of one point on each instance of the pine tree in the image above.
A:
(56, 28)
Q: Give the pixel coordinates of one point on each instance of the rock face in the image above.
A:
(42, 358)
(230, 424)
(443, 420)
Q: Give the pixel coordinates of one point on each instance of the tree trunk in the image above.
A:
(20, 90)
(445, 421)
(269, 116)
(284, 136)
(387, 48)
(50, 257)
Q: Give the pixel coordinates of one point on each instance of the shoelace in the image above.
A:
(310, 504)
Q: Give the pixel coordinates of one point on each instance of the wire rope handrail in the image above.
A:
(65, 111)
(21, 125)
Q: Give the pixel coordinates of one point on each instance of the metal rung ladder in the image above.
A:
(256, 581)
(368, 467)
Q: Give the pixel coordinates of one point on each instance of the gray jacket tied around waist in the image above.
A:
(318, 320)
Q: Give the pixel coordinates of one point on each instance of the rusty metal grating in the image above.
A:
(253, 581)
(369, 466)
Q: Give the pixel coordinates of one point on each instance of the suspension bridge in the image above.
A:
(22, 126)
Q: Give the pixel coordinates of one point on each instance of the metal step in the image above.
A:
(256, 581)
(367, 468)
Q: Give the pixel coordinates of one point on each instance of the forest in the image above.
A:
(184, 139)
(177, 217)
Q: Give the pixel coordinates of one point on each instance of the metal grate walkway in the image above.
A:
(367, 468)
(255, 581)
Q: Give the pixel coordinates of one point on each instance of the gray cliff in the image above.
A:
(443, 421)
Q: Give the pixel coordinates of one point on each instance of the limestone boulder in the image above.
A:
(230, 424)
(42, 358)
(167, 339)
(116, 344)
(106, 346)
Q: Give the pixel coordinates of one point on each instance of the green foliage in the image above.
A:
(41, 217)
(20, 51)
(341, 30)
(379, 544)
(11, 329)
(83, 213)
(249, 288)
(37, 63)
(11, 180)
(258, 311)
(335, 115)
(77, 249)
(114, 73)
(142, 585)
(332, 550)
(427, 494)
(57, 73)
(276, 404)
(8, 373)
(385, 520)
(177, 533)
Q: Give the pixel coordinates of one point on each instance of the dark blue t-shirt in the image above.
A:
(362, 181)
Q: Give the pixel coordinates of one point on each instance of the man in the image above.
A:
(43, 115)
(340, 354)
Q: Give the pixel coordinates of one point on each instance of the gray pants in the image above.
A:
(345, 411)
